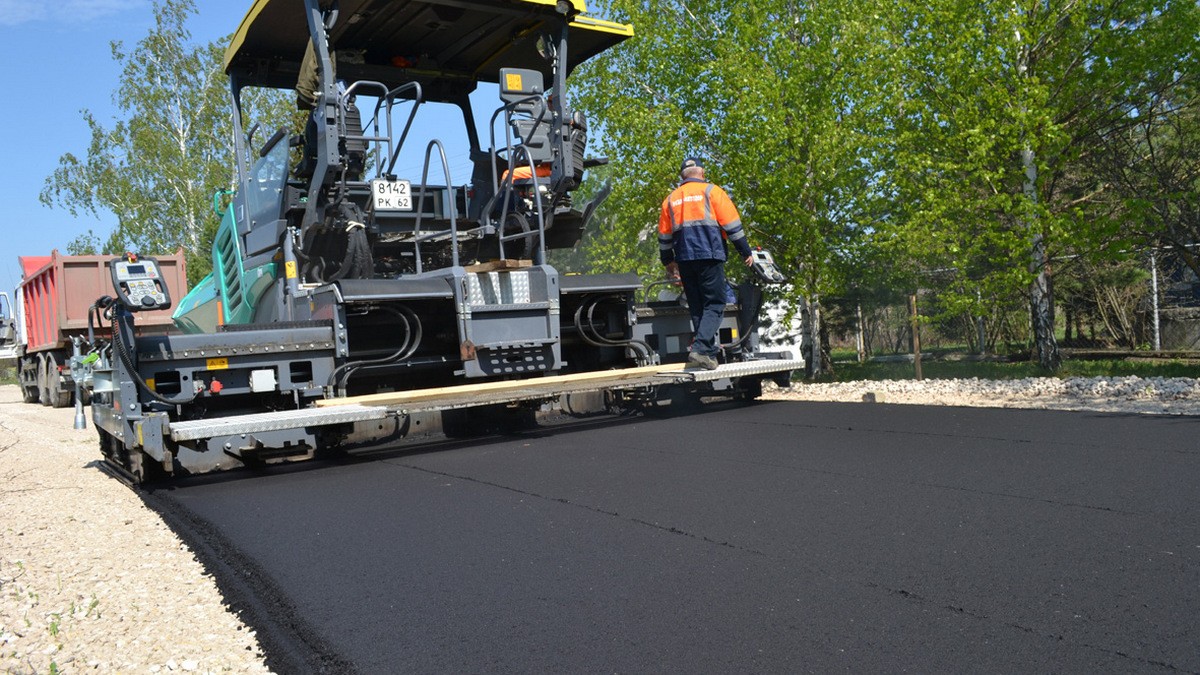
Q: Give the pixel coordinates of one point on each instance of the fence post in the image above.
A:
(1154, 299)
(916, 334)
(861, 341)
(979, 324)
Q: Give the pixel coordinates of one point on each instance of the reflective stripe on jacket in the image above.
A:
(696, 219)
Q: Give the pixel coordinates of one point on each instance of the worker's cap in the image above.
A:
(691, 162)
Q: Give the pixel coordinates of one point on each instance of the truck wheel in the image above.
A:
(54, 384)
(29, 394)
(43, 381)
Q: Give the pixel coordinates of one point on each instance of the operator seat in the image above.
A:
(529, 117)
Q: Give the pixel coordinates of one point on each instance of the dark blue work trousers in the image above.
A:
(705, 288)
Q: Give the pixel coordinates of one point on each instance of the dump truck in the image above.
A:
(352, 302)
(53, 309)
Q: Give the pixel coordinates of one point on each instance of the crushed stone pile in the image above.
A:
(1154, 395)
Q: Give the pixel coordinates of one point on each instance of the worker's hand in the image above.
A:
(673, 273)
(749, 260)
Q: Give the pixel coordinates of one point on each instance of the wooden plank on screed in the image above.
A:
(500, 265)
(599, 376)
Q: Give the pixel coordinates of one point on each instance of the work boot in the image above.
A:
(697, 360)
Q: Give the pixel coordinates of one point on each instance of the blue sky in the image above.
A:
(56, 60)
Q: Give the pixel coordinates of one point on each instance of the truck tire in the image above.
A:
(43, 383)
(54, 384)
(29, 393)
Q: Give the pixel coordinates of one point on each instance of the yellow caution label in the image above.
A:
(734, 331)
(141, 441)
(217, 364)
(289, 268)
(150, 384)
(512, 82)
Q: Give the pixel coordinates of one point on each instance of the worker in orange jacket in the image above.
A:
(697, 219)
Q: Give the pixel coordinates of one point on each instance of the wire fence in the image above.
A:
(1144, 305)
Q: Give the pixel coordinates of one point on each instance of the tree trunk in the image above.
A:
(860, 342)
(1040, 305)
(815, 312)
(1040, 298)
(810, 344)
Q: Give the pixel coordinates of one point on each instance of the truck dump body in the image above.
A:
(55, 296)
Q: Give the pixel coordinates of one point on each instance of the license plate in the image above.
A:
(391, 195)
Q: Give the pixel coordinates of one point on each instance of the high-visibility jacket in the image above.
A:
(522, 172)
(697, 218)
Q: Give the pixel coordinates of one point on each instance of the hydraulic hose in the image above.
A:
(412, 340)
(595, 339)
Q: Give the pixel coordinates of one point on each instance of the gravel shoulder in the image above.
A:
(1156, 396)
(91, 580)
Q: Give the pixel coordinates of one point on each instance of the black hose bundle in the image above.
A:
(412, 339)
(585, 324)
(349, 233)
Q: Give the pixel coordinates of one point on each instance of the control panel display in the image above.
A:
(139, 284)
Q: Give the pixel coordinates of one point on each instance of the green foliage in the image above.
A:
(762, 91)
(996, 79)
(157, 167)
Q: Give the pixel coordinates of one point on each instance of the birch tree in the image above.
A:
(999, 107)
(157, 167)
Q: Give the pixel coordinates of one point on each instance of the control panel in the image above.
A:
(764, 266)
(139, 283)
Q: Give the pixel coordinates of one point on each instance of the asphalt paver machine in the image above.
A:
(347, 299)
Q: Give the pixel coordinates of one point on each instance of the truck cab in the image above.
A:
(9, 338)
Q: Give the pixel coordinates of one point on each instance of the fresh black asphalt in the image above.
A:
(777, 537)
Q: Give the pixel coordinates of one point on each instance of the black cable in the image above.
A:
(127, 359)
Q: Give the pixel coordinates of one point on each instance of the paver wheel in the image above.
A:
(748, 392)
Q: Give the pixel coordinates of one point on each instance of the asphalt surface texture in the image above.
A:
(774, 537)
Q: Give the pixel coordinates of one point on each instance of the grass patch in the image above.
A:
(997, 370)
